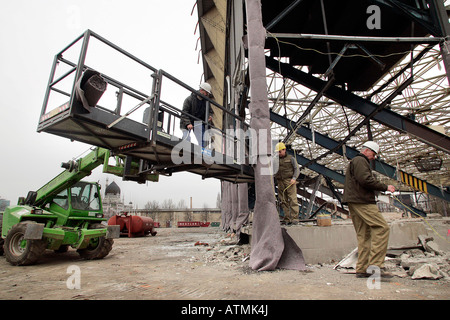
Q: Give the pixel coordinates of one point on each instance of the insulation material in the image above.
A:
(243, 210)
(222, 205)
(226, 205)
(271, 246)
(235, 211)
(234, 205)
(90, 88)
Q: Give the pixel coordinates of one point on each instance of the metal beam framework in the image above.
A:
(364, 106)
(349, 153)
(407, 111)
(422, 105)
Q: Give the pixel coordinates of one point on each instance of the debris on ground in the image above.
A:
(170, 267)
(228, 252)
(426, 261)
(199, 243)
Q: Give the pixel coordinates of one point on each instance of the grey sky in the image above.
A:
(160, 33)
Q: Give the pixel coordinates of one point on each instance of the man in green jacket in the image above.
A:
(372, 231)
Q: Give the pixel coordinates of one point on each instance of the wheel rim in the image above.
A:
(93, 243)
(17, 244)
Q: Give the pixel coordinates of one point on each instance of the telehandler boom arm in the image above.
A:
(77, 170)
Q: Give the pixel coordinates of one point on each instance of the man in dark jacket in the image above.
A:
(372, 231)
(194, 107)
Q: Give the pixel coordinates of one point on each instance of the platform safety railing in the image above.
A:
(157, 113)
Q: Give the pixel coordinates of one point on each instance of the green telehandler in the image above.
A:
(66, 212)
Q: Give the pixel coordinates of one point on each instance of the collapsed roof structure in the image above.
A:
(340, 73)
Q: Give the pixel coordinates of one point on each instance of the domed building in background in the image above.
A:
(112, 203)
(112, 189)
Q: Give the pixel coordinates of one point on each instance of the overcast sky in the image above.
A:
(160, 33)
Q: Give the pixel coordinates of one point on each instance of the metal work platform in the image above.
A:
(89, 103)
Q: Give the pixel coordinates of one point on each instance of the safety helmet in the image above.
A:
(372, 146)
(280, 146)
(206, 86)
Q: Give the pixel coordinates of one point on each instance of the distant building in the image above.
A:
(112, 203)
(170, 217)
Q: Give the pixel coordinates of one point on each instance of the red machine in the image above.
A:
(133, 226)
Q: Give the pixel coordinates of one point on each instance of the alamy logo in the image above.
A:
(238, 145)
(374, 281)
(374, 20)
(74, 281)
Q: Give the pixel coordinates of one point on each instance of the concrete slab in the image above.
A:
(332, 243)
(405, 233)
(323, 244)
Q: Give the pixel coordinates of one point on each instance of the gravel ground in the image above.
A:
(194, 264)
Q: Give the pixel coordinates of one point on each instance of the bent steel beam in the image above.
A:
(332, 144)
(380, 166)
(363, 106)
(301, 160)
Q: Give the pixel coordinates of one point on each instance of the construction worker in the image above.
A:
(286, 177)
(372, 231)
(195, 106)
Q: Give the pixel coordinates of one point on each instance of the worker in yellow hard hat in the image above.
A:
(280, 146)
(286, 176)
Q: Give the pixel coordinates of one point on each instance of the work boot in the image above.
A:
(383, 274)
(362, 275)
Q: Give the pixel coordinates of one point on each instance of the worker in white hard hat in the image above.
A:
(194, 114)
(372, 231)
(205, 86)
(371, 145)
(286, 176)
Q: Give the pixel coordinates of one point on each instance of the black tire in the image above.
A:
(98, 248)
(21, 252)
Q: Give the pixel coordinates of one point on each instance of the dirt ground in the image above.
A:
(193, 264)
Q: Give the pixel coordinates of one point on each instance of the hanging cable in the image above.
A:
(338, 53)
(418, 215)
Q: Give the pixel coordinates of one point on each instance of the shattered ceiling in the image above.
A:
(405, 79)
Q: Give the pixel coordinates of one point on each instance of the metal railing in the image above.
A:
(159, 114)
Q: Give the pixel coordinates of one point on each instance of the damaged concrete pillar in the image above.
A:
(243, 210)
(226, 206)
(234, 205)
(271, 247)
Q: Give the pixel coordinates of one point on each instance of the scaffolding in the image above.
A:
(109, 98)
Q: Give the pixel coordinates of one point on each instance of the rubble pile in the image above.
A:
(425, 261)
(227, 252)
